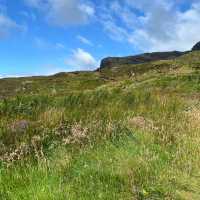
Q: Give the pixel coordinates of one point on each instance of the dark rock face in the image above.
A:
(139, 59)
(196, 47)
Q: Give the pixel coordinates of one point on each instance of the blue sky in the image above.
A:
(41, 37)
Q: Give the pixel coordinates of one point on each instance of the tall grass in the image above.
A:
(114, 142)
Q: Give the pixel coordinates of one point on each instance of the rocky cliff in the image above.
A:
(143, 58)
(196, 47)
(138, 59)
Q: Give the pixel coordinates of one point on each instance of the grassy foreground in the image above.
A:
(89, 136)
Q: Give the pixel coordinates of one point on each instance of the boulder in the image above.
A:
(20, 126)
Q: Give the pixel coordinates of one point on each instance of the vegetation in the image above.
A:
(125, 133)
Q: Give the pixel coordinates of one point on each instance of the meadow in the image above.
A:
(128, 133)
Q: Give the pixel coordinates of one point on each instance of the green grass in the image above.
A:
(91, 137)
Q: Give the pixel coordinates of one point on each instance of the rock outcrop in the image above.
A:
(196, 47)
(139, 59)
(111, 62)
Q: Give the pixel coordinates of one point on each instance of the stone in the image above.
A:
(20, 126)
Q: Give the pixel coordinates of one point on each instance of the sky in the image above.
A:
(42, 37)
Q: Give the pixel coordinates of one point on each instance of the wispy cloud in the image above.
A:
(7, 25)
(63, 12)
(84, 40)
(60, 46)
(152, 26)
(41, 43)
(28, 15)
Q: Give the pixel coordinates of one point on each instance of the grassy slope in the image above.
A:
(108, 135)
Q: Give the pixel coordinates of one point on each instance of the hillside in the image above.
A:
(120, 62)
(127, 131)
(139, 59)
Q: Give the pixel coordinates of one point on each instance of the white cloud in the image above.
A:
(81, 60)
(158, 25)
(63, 12)
(86, 8)
(84, 40)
